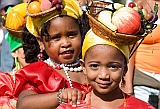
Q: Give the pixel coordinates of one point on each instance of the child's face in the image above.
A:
(104, 66)
(65, 43)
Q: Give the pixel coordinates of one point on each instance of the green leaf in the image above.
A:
(156, 8)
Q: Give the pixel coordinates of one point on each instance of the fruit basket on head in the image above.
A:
(41, 8)
(122, 25)
(15, 19)
(40, 11)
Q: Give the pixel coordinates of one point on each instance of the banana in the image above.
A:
(105, 18)
(20, 8)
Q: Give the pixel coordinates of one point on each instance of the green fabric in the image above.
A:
(9, 8)
(14, 42)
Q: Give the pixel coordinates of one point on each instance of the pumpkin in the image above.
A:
(14, 20)
(127, 20)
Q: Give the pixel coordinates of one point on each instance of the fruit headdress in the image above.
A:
(15, 19)
(120, 24)
(51, 9)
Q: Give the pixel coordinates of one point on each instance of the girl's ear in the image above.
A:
(83, 66)
(40, 42)
(15, 54)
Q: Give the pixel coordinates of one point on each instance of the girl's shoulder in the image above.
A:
(39, 68)
(38, 77)
(35, 66)
(135, 103)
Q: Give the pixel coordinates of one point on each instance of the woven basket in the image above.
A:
(16, 33)
(104, 32)
(42, 13)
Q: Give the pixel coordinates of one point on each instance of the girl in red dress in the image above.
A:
(105, 64)
(57, 76)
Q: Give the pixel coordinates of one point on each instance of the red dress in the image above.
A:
(42, 78)
(131, 103)
(6, 88)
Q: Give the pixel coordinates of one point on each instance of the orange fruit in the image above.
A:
(40, 1)
(34, 7)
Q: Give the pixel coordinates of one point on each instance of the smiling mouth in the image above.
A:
(104, 85)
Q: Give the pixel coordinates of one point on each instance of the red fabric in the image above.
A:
(83, 105)
(131, 103)
(42, 78)
(6, 88)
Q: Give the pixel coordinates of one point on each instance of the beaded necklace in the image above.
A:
(65, 67)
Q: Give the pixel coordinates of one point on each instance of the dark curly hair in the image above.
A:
(31, 47)
(30, 43)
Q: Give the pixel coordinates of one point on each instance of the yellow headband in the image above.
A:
(71, 8)
(91, 40)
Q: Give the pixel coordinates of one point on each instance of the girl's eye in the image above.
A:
(114, 66)
(94, 66)
(72, 34)
(56, 37)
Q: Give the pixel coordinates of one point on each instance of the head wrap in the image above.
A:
(71, 8)
(91, 40)
(14, 42)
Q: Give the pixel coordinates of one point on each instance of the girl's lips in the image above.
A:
(67, 54)
(104, 85)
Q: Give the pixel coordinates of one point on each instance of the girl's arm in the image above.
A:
(31, 100)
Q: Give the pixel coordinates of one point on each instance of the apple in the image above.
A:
(127, 20)
(131, 4)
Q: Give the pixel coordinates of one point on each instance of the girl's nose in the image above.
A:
(65, 43)
(104, 74)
